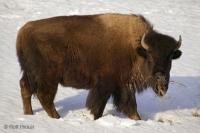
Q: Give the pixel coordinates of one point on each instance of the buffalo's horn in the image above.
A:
(179, 42)
(144, 45)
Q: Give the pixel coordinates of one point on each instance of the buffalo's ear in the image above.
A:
(176, 54)
(142, 52)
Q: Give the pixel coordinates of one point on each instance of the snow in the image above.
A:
(178, 111)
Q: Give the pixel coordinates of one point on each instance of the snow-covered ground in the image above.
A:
(178, 111)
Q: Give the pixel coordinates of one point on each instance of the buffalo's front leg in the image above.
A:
(97, 99)
(125, 101)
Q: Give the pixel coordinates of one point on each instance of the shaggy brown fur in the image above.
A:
(101, 53)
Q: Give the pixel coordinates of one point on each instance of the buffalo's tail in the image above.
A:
(22, 44)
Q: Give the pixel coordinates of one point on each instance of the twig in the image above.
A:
(175, 82)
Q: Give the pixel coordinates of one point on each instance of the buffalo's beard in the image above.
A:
(158, 82)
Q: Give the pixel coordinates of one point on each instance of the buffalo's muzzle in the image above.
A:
(161, 85)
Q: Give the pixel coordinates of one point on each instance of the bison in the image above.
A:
(109, 54)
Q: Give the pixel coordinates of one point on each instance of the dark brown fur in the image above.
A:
(96, 52)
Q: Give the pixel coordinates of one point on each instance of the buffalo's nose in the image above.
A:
(161, 79)
(159, 74)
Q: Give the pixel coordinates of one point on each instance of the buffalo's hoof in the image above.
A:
(135, 117)
(55, 115)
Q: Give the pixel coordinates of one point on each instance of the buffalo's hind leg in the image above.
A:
(125, 101)
(26, 93)
(97, 99)
(46, 97)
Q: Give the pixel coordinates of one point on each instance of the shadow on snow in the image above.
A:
(183, 93)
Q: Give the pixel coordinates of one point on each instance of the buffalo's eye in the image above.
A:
(176, 54)
(142, 52)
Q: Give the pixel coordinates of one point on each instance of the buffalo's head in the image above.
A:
(158, 51)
